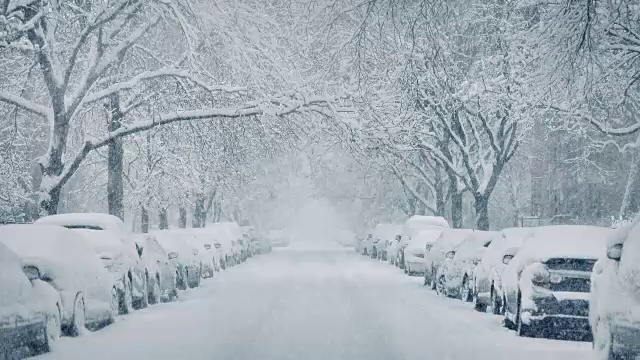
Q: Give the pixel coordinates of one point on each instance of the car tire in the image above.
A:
(114, 305)
(425, 281)
(181, 281)
(496, 307)
(506, 322)
(523, 330)
(465, 291)
(126, 301)
(143, 302)
(477, 305)
(155, 293)
(440, 285)
(51, 333)
(78, 318)
(433, 280)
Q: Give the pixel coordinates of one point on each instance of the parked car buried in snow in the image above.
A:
(383, 234)
(183, 256)
(614, 312)
(458, 268)
(29, 308)
(162, 276)
(547, 283)
(412, 227)
(487, 276)
(448, 240)
(64, 260)
(416, 249)
(117, 250)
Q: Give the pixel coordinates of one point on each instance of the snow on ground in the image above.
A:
(312, 302)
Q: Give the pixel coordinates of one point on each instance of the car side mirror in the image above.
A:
(451, 254)
(173, 255)
(428, 247)
(32, 272)
(506, 259)
(614, 252)
(139, 249)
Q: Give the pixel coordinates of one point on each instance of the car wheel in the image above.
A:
(506, 321)
(79, 315)
(522, 330)
(496, 308)
(155, 292)
(465, 291)
(426, 280)
(126, 303)
(51, 333)
(440, 285)
(477, 305)
(114, 304)
(143, 302)
(433, 280)
(181, 282)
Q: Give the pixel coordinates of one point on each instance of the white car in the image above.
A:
(448, 240)
(487, 276)
(383, 234)
(162, 272)
(234, 234)
(183, 256)
(88, 293)
(459, 264)
(116, 248)
(546, 285)
(224, 236)
(29, 307)
(415, 251)
(204, 245)
(614, 311)
(413, 226)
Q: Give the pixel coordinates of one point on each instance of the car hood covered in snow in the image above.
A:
(15, 297)
(563, 241)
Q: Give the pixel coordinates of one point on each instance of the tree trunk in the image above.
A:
(456, 209)
(626, 209)
(482, 212)
(199, 213)
(183, 218)
(115, 189)
(164, 219)
(144, 219)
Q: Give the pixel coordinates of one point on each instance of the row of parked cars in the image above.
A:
(67, 273)
(546, 281)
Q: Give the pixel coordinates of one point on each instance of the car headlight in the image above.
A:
(540, 276)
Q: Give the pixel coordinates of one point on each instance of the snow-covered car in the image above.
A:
(415, 251)
(63, 258)
(546, 285)
(614, 311)
(412, 227)
(367, 245)
(117, 250)
(29, 307)
(487, 276)
(392, 250)
(203, 243)
(383, 234)
(457, 268)
(183, 256)
(234, 235)
(448, 240)
(162, 272)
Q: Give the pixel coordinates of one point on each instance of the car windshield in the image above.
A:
(311, 170)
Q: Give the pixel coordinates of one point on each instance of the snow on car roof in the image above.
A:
(102, 221)
(170, 242)
(420, 221)
(104, 242)
(450, 238)
(423, 237)
(571, 241)
(473, 242)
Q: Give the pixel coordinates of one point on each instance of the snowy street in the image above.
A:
(303, 303)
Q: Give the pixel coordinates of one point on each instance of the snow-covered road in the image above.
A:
(312, 304)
